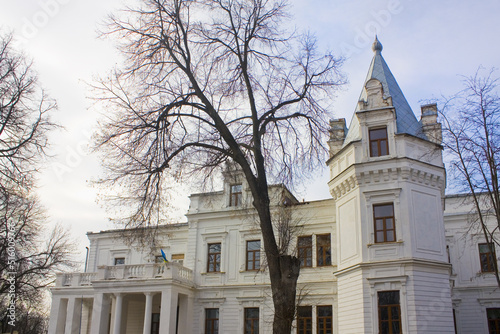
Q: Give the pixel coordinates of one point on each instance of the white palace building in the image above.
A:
(388, 253)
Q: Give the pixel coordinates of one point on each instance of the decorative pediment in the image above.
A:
(374, 96)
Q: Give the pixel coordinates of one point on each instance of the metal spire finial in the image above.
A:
(377, 46)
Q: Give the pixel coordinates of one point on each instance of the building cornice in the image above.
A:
(369, 173)
(398, 262)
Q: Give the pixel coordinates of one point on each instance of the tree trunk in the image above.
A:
(284, 290)
(283, 269)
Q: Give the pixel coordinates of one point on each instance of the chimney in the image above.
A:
(338, 131)
(430, 126)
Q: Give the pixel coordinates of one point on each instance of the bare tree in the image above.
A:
(471, 136)
(210, 81)
(24, 121)
(27, 256)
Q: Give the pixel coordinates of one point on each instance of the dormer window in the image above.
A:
(235, 195)
(379, 145)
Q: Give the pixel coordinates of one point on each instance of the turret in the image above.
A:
(387, 180)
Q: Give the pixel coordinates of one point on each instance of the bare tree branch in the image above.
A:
(471, 122)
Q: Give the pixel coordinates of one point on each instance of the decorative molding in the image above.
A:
(344, 187)
(385, 175)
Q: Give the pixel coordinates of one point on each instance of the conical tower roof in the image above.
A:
(406, 122)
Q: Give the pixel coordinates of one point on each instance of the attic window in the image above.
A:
(235, 195)
(379, 145)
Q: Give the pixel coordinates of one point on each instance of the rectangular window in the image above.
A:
(252, 320)
(323, 250)
(235, 196)
(155, 323)
(493, 320)
(213, 263)
(304, 320)
(178, 258)
(253, 255)
(159, 259)
(325, 319)
(379, 145)
(304, 250)
(389, 312)
(212, 321)
(119, 260)
(487, 257)
(385, 227)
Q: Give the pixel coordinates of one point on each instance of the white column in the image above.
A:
(57, 315)
(185, 313)
(148, 311)
(73, 315)
(100, 314)
(118, 314)
(168, 311)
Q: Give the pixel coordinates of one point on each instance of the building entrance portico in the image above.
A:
(122, 306)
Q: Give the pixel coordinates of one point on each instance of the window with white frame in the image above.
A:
(389, 312)
(253, 255)
(214, 257)
(235, 195)
(251, 320)
(212, 321)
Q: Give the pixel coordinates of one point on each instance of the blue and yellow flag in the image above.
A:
(163, 256)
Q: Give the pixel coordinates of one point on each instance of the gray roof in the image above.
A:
(406, 122)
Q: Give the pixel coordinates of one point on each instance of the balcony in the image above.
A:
(172, 271)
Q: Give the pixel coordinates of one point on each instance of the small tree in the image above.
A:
(210, 81)
(471, 136)
(27, 256)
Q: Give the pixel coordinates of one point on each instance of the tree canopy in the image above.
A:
(207, 82)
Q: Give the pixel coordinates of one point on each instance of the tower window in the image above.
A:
(487, 257)
(385, 227)
(379, 144)
(235, 196)
(389, 312)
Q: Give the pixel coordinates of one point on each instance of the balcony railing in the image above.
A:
(170, 270)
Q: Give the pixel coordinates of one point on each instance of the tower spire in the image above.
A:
(406, 122)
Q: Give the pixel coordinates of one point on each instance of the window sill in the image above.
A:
(317, 267)
(389, 243)
(212, 272)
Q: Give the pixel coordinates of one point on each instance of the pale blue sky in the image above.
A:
(427, 44)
